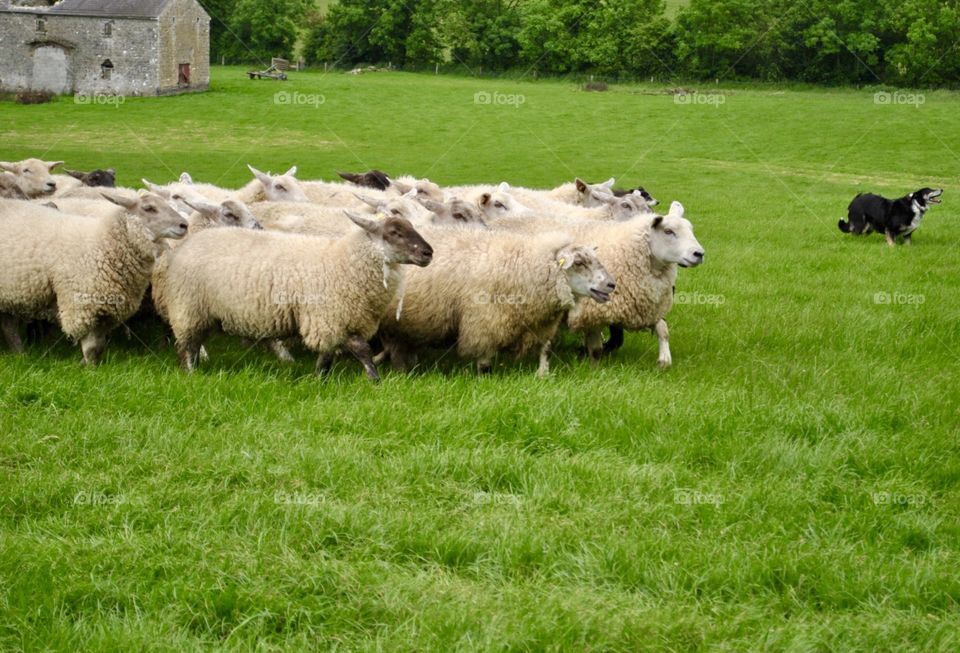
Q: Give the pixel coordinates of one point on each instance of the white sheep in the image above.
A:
(492, 291)
(33, 176)
(87, 274)
(267, 285)
(493, 201)
(643, 254)
(263, 187)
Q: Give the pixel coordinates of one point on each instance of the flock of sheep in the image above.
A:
(381, 268)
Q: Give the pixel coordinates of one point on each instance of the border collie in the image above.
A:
(893, 218)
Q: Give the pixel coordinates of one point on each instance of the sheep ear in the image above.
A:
(657, 221)
(10, 167)
(202, 207)
(75, 174)
(401, 187)
(581, 185)
(603, 196)
(369, 201)
(120, 200)
(411, 194)
(368, 225)
(504, 187)
(432, 206)
(484, 199)
(609, 182)
(159, 190)
(292, 172)
(263, 177)
(185, 178)
(565, 257)
(52, 164)
(676, 208)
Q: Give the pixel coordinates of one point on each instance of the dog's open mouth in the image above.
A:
(934, 198)
(599, 295)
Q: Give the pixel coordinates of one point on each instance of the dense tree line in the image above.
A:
(906, 42)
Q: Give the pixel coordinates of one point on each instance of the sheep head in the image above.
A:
(400, 241)
(33, 176)
(585, 273)
(280, 188)
(159, 218)
(672, 239)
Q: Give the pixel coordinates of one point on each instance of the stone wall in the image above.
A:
(184, 39)
(66, 54)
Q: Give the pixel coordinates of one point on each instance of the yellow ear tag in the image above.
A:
(562, 261)
(381, 216)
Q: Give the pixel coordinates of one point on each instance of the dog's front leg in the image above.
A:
(890, 238)
(908, 239)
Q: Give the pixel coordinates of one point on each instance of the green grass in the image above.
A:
(253, 506)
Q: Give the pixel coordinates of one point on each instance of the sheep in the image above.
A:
(643, 253)
(605, 206)
(379, 180)
(103, 178)
(376, 179)
(9, 188)
(88, 274)
(261, 284)
(584, 194)
(264, 186)
(492, 291)
(493, 201)
(33, 176)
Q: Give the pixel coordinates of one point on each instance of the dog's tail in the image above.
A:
(844, 226)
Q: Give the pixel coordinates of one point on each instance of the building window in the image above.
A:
(106, 69)
(41, 24)
(108, 29)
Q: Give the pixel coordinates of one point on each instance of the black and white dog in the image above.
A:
(893, 218)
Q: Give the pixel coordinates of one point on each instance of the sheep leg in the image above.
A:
(361, 350)
(594, 345)
(9, 324)
(543, 371)
(324, 361)
(484, 365)
(279, 349)
(664, 360)
(92, 346)
(189, 352)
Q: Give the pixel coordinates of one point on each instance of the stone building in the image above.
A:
(118, 47)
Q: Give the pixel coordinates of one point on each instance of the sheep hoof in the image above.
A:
(664, 363)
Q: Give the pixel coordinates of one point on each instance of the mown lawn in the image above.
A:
(790, 484)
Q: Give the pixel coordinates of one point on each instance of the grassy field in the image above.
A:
(791, 484)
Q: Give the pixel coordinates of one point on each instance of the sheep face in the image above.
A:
(400, 241)
(159, 218)
(398, 207)
(421, 189)
(9, 188)
(591, 195)
(672, 239)
(281, 188)
(33, 176)
(454, 212)
(501, 204)
(585, 273)
(229, 213)
(98, 178)
(373, 179)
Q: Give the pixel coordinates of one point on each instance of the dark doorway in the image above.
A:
(184, 78)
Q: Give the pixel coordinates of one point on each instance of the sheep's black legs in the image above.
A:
(361, 350)
(324, 361)
(9, 324)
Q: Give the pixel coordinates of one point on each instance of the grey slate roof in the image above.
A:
(105, 8)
